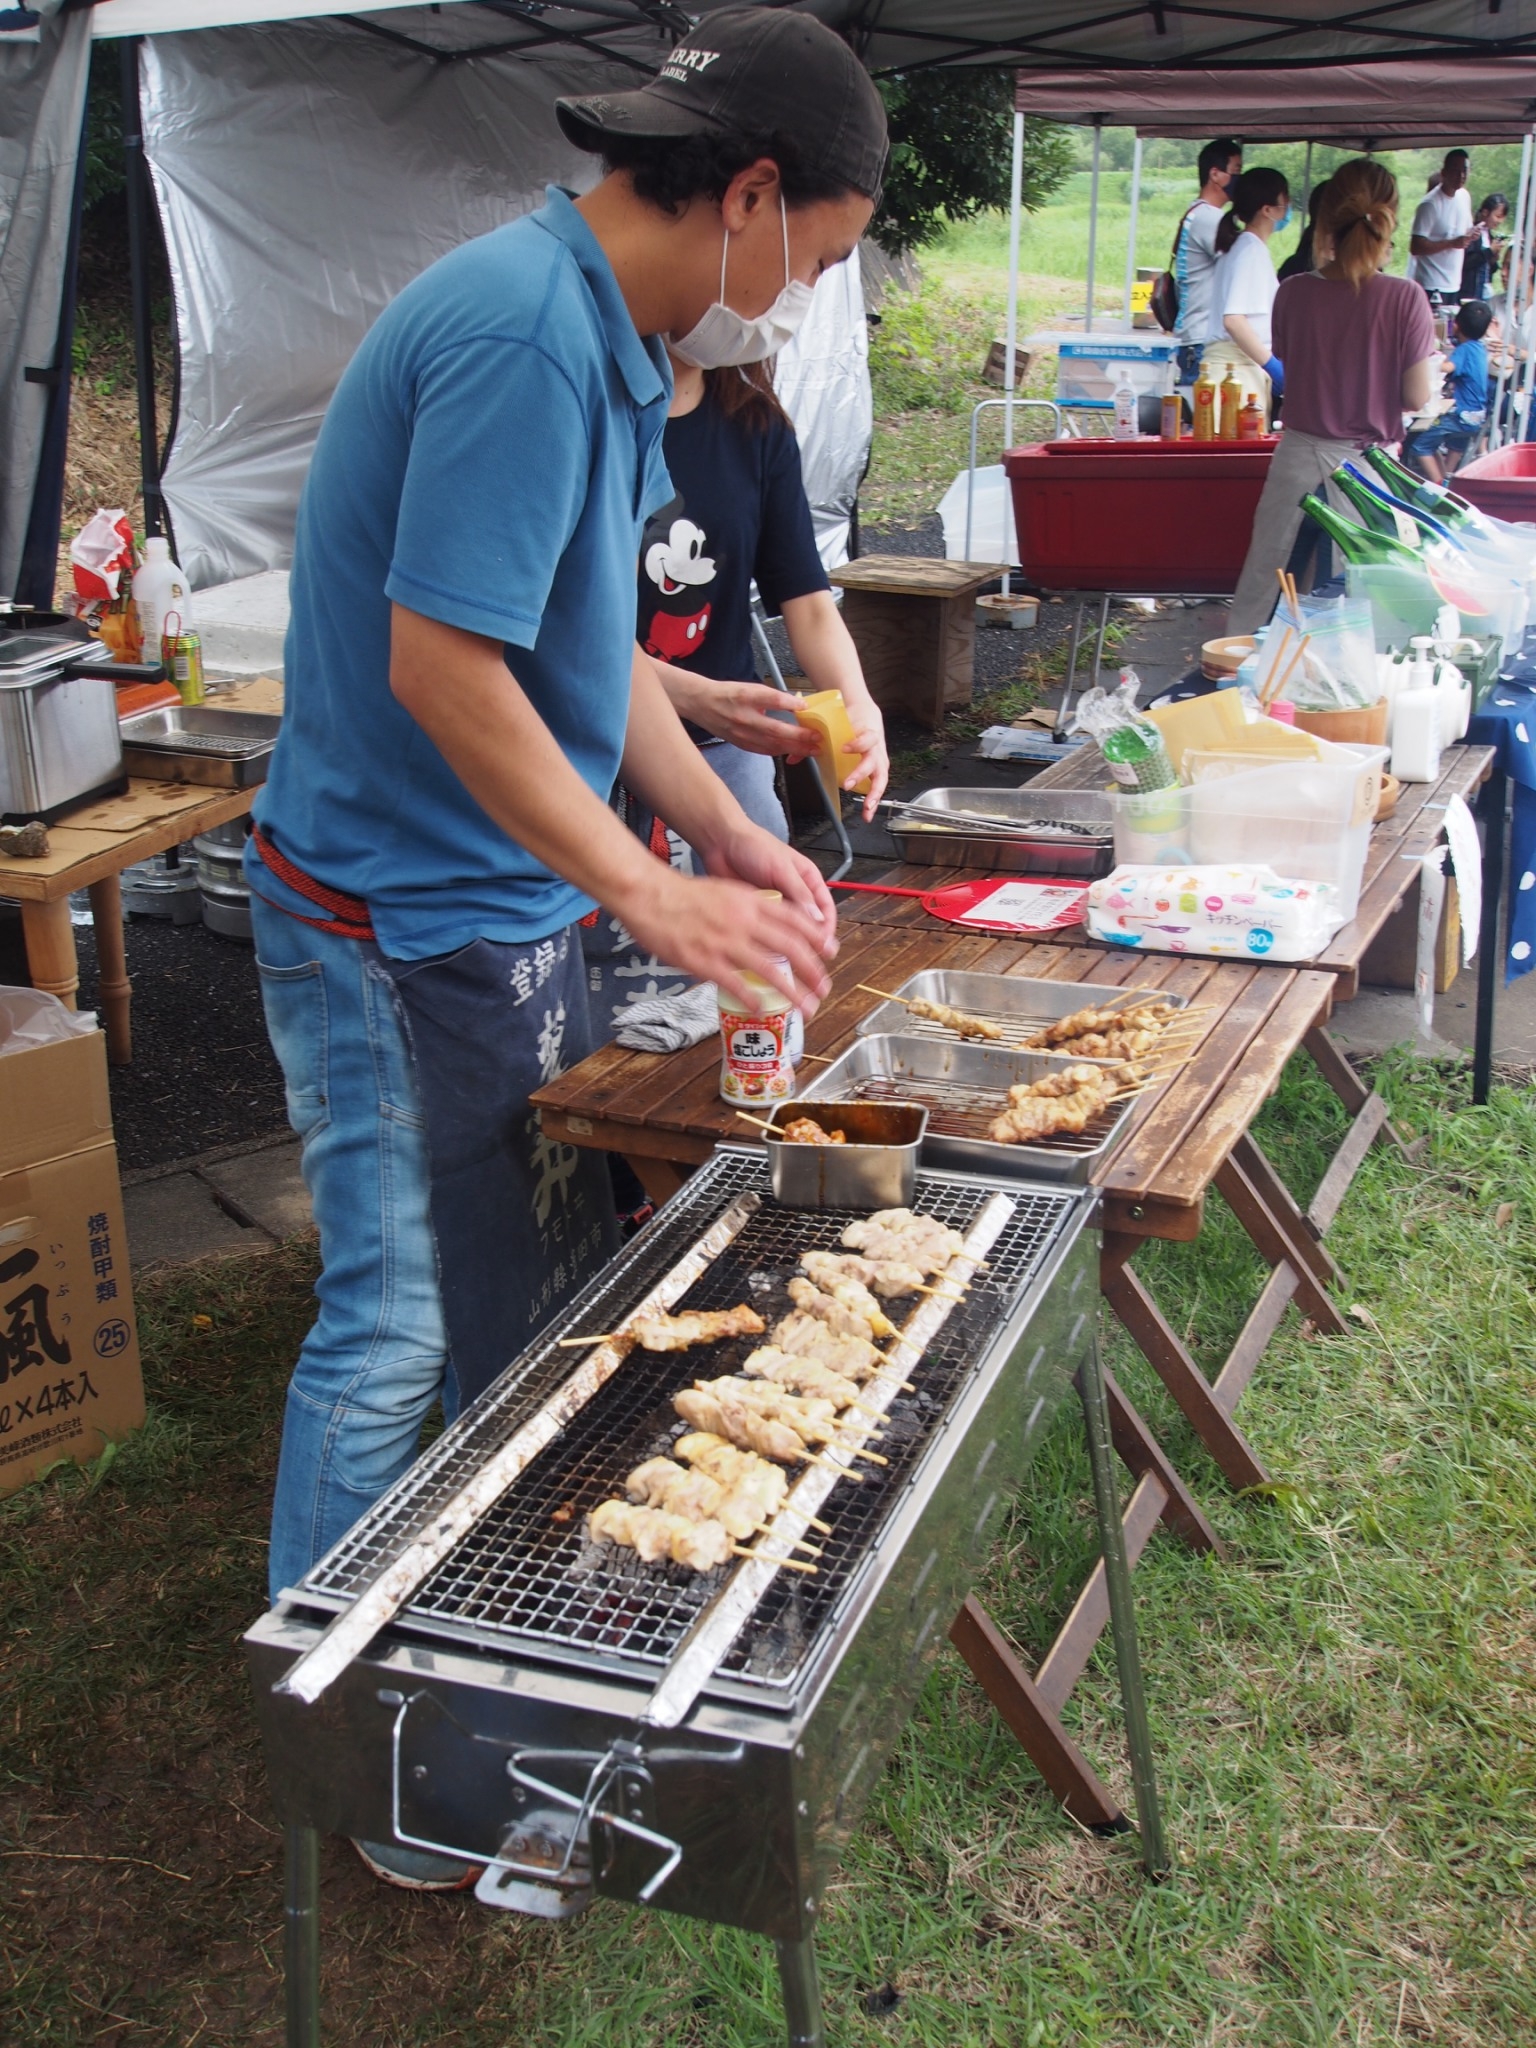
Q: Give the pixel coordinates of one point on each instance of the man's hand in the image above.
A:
(723, 927)
(741, 713)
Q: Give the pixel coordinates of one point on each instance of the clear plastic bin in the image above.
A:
(1308, 820)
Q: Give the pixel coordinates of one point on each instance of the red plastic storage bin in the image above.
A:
(1502, 484)
(1148, 518)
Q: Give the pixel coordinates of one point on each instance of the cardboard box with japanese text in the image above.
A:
(69, 1351)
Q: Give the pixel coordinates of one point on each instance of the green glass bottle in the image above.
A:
(1138, 758)
(1359, 544)
(1435, 499)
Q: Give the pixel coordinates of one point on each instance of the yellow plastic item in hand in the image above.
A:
(824, 713)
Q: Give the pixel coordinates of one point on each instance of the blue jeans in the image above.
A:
(375, 1361)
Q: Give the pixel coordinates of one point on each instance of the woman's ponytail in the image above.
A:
(1359, 217)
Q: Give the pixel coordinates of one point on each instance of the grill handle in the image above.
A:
(620, 1761)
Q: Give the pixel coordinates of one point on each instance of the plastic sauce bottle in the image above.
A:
(1231, 405)
(159, 587)
(1250, 421)
(1127, 420)
(1205, 407)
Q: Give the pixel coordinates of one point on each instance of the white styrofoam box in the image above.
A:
(243, 624)
(1089, 369)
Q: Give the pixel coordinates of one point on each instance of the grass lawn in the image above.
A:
(1342, 1713)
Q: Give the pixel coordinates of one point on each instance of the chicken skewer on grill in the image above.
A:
(1151, 1015)
(943, 1014)
(662, 1332)
(802, 1376)
(887, 1277)
(737, 1470)
(784, 1434)
(905, 1235)
(807, 1336)
(743, 1508)
(656, 1536)
(840, 1287)
(1036, 1110)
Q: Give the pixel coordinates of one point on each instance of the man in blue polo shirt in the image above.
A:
(463, 689)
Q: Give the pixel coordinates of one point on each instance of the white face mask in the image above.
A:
(723, 337)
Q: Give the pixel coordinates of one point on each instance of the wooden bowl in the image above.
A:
(1368, 727)
(1225, 656)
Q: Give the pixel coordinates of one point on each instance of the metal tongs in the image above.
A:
(975, 824)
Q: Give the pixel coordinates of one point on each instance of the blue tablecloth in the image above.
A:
(1507, 722)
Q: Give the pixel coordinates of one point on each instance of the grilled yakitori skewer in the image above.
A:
(722, 1412)
(847, 1307)
(801, 1131)
(742, 1509)
(887, 1277)
(662, 1332)
(1151, 1014)
(807, 1336)
(654, 1535)
(943, 1014)
(1034, 1113)
(741, 1471)
(904, 1234)
(803, 1376)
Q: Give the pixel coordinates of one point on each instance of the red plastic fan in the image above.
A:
(1011, 904)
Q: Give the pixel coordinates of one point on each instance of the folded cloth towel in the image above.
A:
(668, 1023)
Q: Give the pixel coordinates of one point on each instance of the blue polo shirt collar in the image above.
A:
(643, 364)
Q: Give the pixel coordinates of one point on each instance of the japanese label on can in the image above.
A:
(758, 1066)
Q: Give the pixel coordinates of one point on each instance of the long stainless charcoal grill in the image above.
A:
(581, 1722)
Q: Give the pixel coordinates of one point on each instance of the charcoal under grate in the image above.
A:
(527, 1572)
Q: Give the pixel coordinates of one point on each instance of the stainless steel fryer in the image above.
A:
(507, 1713)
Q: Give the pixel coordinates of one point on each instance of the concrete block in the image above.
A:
(173, 1221)
(267, 1187)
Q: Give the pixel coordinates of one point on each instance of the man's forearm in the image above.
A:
(461, 693)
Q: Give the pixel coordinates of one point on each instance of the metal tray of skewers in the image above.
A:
(1002, 1009)
(964, 1088)
(1008, 831)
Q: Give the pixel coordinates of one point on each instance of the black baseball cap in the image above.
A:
(753, 71)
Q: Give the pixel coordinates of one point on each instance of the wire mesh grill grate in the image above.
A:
(526, 1572)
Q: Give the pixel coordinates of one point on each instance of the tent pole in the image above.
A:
(1496, 434)
(1306, 183)
(1130, 239)
(1093, 218)
(1516, 296)
(1010, 344)
(1521, 431)
(138, 269)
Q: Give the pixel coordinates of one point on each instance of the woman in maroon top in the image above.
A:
(1356, 347)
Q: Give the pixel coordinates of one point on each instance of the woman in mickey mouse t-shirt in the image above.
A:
(741, 517)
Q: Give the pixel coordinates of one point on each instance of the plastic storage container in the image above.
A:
(1308, 820)
(1162, 516)
(1502, 484)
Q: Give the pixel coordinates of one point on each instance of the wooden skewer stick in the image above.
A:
(761, 1121)
(831, 1465)
(789, 1564)
(825, 1528)
(603, 1337)
(858, 1451)
(884, 994)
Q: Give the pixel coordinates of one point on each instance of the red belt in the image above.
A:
(349, 918)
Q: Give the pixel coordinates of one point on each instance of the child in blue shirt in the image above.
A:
(1438, 449)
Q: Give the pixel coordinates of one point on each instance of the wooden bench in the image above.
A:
(913, 620)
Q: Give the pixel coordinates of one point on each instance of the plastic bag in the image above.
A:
(29, 1018)
(1101, 712)
(1338, 669)
(101, 555)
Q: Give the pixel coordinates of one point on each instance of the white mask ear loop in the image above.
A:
(784, 223)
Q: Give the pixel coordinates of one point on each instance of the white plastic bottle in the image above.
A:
(1417, 733)
(159, 587)
(1127, 422)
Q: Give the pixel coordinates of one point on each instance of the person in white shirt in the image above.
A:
(1442, 229)
(1243, 289)
(1194, 248)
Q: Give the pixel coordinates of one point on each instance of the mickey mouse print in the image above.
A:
(677, 572)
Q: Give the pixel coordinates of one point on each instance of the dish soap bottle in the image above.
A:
(159, 587)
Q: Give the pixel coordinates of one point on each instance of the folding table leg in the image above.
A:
(1122, 1612)
(1144, 1457)
(801, 1985)
(1278, 1245)
(1370, 1122)
(1173, 1365)
(301, 1937)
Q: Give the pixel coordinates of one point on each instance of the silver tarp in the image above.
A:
(42, 102)
(304, 175)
